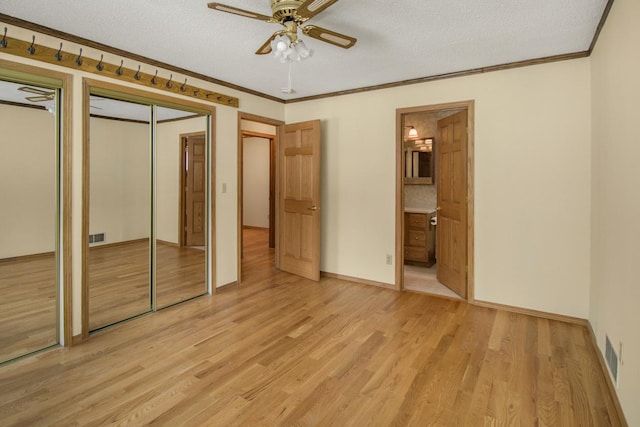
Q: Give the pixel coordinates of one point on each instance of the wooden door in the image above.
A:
(299, 200)
(451, 176)
(195, 190)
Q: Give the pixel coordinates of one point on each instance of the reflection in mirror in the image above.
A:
(418, 161)
(119, 212)
(28, 219)
(180, 206)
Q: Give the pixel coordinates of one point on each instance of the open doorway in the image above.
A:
(257, 183)
(434, 204)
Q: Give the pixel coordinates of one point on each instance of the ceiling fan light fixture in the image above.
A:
(287, 51)
(302, 51)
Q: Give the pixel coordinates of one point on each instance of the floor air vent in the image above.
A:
(96, 238)
(612, 359)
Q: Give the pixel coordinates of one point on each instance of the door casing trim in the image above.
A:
(399, 256)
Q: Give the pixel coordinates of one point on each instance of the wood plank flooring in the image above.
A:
(27, 305)
(119, 279)
(281, 350)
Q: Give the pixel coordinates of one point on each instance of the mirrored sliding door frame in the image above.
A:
(101, 88)
(62, 83)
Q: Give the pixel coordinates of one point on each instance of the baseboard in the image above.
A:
(26, 257)
(122, 243)
(358, 280)
(605, 371)
(167, 243)
(226, 285)
(530, 312)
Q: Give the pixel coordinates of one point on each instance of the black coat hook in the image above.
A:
(58, 55)
(154, 80)
(196, 92)
(32, 49)
(100, 67)
(119, 70)
(3, 42)
(183, 88)
(79, 58)
(169, 85)
(137, 75)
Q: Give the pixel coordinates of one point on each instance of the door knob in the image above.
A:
(313, 208)
(438, 209)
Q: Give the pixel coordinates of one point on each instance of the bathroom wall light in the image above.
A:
(413, 132)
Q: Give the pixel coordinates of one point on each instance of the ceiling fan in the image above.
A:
(292, 14)
(41, 94)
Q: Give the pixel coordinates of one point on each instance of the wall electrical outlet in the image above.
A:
(389, 259)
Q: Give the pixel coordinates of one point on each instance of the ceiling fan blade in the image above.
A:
(247, 14)
(35, 90)
(38, 98)
(311, 8)
(329, 36)
(266, 47)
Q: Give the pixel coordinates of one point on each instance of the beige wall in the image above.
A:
(255, 181)
(119, 180)
(27, 181)
(532, 181)
(615, 289)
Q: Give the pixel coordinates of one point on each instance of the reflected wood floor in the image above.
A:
(281, 350)
(119, 279)
(27, 305)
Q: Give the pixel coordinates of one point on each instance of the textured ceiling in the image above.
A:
(397, 41)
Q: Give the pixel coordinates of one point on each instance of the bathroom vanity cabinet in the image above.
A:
(419, 239)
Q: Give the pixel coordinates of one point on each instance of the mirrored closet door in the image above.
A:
(181, 210)
(29, 221)
(148, 207)
(120, 211)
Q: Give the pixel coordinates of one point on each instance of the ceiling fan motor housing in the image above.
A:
(283, 9)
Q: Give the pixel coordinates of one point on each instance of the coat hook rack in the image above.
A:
(31, 49)
(3, 42)
(58, 55)
(119, 70)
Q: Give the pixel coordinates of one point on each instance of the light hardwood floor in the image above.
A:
(119, 279)
(280, 350)
(27, 305)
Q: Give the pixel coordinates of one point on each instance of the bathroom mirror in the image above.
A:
(419, 161)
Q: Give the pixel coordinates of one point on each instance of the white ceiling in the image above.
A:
(397, 40)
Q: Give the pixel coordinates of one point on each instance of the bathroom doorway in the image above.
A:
(434, 203)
